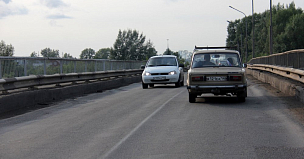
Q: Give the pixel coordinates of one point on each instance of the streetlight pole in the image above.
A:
(270, 36)
(246, 31)
(167, 46)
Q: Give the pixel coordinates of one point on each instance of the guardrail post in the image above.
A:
(104, 65)
(298, 54)
(287, 60)
(74, 66)
(0, 70)
(25, 69)
(111, 65)
(95, 66)
(85, 67)
(44, 68)
(61, 63)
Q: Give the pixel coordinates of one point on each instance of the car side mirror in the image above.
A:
(142, 66)
(181, 65)
(244, 65)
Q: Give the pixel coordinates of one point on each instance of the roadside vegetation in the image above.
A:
(288, 34)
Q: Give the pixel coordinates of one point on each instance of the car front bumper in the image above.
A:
(161, 79)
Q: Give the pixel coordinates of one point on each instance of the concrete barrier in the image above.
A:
(285, 85)
(33, 98)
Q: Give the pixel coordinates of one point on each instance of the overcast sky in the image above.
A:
(70, 26)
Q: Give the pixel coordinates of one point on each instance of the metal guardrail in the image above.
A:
(11, 67)
(291, 59)
(292, 73)
(38, 80)
(289, 64)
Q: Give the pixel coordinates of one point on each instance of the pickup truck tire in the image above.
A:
(192, 98)
(242, 96)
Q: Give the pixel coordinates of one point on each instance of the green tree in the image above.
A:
(130, 45)
(168, 52)
(34, 54)
(47, 52)
(149, 50)
(294, 33)
(287, 31)
(6, 50)
(67, 56)
(103, 53)
(87, 53)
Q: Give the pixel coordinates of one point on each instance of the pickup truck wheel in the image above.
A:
(242, 99)
(242, 96)
(144, 86)
(192, 98)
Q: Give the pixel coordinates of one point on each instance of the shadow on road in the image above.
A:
(217, 100)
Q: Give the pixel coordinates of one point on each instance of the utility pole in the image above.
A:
(270, 36)
(252, 30)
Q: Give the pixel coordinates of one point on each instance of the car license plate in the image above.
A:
(216, 78)
(159, 78)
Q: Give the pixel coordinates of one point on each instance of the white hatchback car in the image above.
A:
(163, 69)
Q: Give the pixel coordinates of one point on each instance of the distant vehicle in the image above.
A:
(216, 71)
(163, 69)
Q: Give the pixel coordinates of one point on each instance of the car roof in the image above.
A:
(215, 51)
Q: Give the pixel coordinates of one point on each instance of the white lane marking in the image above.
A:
(138, 126)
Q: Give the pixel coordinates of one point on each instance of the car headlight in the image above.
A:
(147, 74)
(172, 73)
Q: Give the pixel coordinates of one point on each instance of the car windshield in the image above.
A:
(162, 61)
(216, 60)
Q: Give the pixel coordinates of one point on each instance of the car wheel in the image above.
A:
(192, 98)
(178, 83)
(144, 86)
(182, 83)
(151, 85)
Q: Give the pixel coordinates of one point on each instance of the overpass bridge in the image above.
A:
(25, 73)
(159, 122)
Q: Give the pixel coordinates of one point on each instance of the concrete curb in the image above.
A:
(287, 86)
(30, 99)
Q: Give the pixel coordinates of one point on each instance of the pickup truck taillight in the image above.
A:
(235, 78)
(197, 78)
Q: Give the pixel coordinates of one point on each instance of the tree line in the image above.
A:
(288, 31)
(129, 45)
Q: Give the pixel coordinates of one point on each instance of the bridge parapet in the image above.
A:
(290, 59)
(11, 67)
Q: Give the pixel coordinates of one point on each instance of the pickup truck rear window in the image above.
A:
(216, 60)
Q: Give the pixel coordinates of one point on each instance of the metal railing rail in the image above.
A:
(291, 73)
(290, 59)
(11, 67)
(288, 64)
(38, 80)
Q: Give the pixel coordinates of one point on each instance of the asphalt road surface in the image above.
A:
(159, 123)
